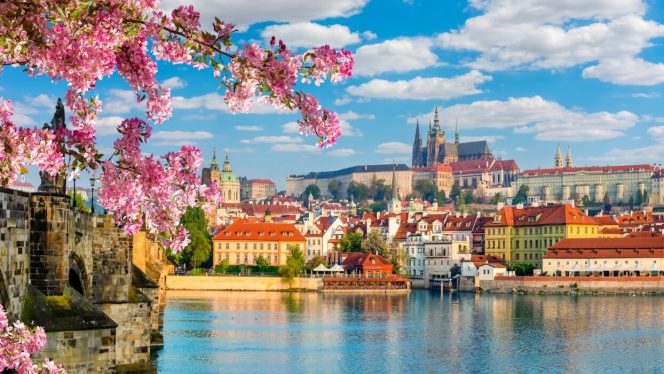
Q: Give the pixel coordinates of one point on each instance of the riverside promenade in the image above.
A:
(575, 285)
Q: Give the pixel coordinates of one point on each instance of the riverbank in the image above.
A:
(575, 285)
(225, 283)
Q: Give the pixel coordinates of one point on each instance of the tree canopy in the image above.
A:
(352, 242)
(521, 196)
(374, 243)
(294, 263)
(425, 190)
(358, 191)
(334, 188)
(312, 190)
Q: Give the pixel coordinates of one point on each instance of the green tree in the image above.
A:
(456, 190)
(200, 248)
(378, 206)
(351, 242)
(522, 195)
(441, 198)
(585, 201)
(334, 188)
(78, 201)
(314, 262)
(381, 191)
(631, 201)
(262, 263)
(425, 190)
(294, 264)
(468, 197)
(374, 243)
(358, 191)
(521, 269)
(312, 190)
(455, 270)
(222, 267)
(497, 198)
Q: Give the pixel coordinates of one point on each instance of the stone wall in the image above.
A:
(604, 285)
(133, 331)
(81, 351)
(112, 254)
(219, 283)
(14, 249)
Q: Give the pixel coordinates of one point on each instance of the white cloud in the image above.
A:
(543, 34)
(341, 152)
(548, 120)
(368, 35)
(308, 34)
(291, 147)
(215, 101)
(394, 148)
(350, 115)
(272, 139)
(651, 153)
(22, 114)
(291, 128)
(179, 137)
(173, 83)
(646, 95)
(395, 55)
(488, 138)
(420, 88)
(343, 101)
(248, 128)
(346, 128)
(107, 125)
(199, 116)
(121, 101)
(245, 13)
(42, 100)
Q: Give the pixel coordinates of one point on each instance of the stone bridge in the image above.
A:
(72, 273)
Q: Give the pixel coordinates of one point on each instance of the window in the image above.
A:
(228, 245)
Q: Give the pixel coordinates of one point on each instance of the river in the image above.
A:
(422, 332)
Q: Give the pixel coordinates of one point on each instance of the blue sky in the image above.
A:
(525, 75)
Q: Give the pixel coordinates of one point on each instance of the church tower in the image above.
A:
(569, 163)
(558, 161)
(456, 132)
(435, 141)
(417, 147)
(214, 167)
(395, 203)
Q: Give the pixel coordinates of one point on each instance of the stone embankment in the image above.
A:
(575, 285)
(237, 283)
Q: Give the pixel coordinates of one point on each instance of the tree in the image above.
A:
(222, 267)
(314, 262)
(497, 198)
(456, 190)
(381, 191)
(425, 190)
(82, 42)
(455, 270)
(312, 190)
(522, 269)
(358, 191)
(199, 249)
(294, 264)
(335, 189)
(441, 198)
(262, 263)
(79, 203)
(468, 197)
(631, 201)
(585, 201)
(379, 206)
(351, 242)
(374, 243)
(521, 196)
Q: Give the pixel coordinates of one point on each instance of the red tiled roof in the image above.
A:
(605, 220)
(591, 169)
(439, 167)
(244, 230)
(543, 215)
(260, 181)
(630, 246)
(505, 165)
(471, 166)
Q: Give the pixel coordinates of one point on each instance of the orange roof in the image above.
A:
(471, 166)
(605, 220)
(630, 246)
(542, 215)
(260, 231)
(591, 169)
(505, 165)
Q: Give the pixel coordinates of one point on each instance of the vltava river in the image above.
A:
(424, 332)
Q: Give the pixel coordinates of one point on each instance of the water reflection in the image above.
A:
(251, 332)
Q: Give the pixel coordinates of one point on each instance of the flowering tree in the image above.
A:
(17, 342)
(84, 41)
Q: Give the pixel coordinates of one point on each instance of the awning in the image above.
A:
(337, 268)
(321, 267)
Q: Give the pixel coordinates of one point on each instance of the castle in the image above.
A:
(437, 151)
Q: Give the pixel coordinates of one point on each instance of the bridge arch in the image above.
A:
(79, 279)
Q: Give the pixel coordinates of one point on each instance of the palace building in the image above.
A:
(438, 151)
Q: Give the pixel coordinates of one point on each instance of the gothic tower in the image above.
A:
(417, 147)
(569, 163)
(456, 132)
(558, 161)
(435, 139)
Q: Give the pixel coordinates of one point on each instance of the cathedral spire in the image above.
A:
(417, 146)
(558, 161)
(436, 121)
(214, 165)
(456, 132)
(569, 163)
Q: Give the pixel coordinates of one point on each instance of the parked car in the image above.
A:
(180, 271)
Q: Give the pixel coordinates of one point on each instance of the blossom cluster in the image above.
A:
(81, 42)
(17, 342)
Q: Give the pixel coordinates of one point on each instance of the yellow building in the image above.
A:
(523, 235)
(243, 242)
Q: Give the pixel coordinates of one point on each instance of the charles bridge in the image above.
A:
(94, 290)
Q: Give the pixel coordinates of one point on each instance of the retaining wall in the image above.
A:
(220, 283)
(604, 285)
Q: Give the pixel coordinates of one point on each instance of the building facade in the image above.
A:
(618, 184)
(258, 189)
(365, 174)
(227, 181)
(243, 242)
(440, 175)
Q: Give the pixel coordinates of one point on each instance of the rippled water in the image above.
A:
(423, 332)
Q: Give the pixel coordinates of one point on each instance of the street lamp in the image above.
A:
(92, 195)
(73, 194)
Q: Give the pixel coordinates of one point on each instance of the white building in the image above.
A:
(491, 270)
(441, 253)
